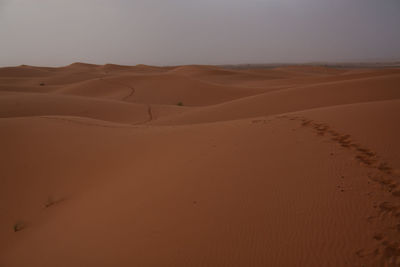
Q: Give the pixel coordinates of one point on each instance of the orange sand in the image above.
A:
(289, 166)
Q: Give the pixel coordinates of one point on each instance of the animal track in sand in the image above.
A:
(149, 111)
(364, 155)
(51, 201)
(150, 116)
(389, 249)
(124, 85)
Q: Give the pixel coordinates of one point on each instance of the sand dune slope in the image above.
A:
(304, 175)
(198, 206)
(25, 105)
(295, 99)
(164, 89)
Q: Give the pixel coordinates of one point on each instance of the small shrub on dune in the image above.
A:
(19, 226)
(50, 202)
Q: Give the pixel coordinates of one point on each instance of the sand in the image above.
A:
(199, 166)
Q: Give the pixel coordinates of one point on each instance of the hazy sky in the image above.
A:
(169, 32)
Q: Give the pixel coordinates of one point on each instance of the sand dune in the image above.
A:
(296, 99)
(291, 166)
(25, 105)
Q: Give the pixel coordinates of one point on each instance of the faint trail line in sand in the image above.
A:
(389, 250)
(150, 116)
(128, 126)
(124, 85)
(149, 111)
(131, 94)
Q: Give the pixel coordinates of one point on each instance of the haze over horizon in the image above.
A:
(156, 153)
(174, 32)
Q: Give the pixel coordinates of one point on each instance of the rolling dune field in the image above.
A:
(108, 165)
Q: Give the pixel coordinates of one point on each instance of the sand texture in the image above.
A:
(107, 165)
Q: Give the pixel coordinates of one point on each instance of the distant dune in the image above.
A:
(109, 165)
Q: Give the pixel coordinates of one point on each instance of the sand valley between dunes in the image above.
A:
(108, 165)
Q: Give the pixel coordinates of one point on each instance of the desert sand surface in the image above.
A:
(108, 165)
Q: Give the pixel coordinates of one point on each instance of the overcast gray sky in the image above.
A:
(170, 32)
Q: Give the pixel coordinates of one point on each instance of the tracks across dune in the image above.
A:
(388, 249)
(132, 90)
